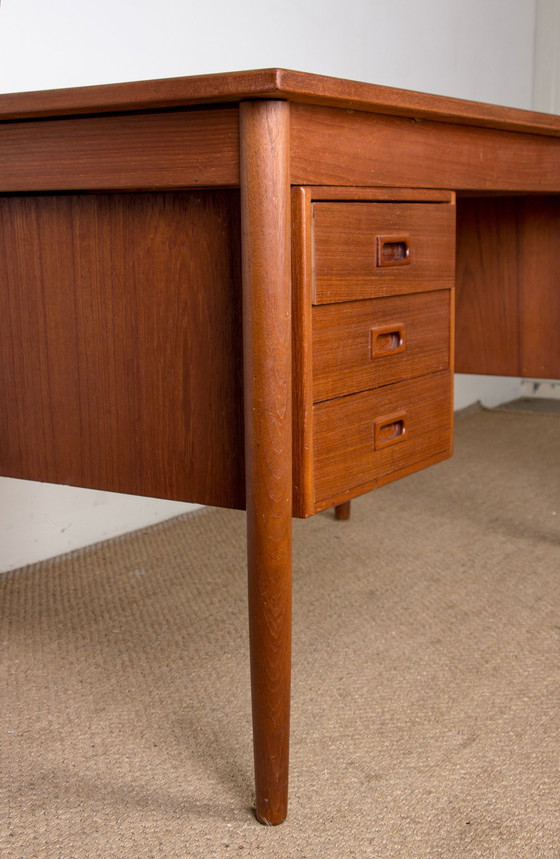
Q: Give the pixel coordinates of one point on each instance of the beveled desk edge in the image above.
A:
(271, 83)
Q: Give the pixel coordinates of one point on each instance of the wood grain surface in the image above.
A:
(285, 84)
(345, 242)
(331, 147)
(345, 454)
(539, 306)
(348, 346)
(302, 364)
(120, 347)
(267, 300)
(141, 150)
(508, 285)
(487, 294)
(343, 334)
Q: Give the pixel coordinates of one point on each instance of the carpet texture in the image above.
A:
(426, 692)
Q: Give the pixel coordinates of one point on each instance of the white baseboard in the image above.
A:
(41, 520)
(543, 388)
(490, 391)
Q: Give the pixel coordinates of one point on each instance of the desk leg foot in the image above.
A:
(342, 511)
(265, 221)
(270, 634)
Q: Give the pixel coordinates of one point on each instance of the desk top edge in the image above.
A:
(294, 86)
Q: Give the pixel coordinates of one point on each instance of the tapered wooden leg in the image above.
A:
(342, 511)
(265, 217)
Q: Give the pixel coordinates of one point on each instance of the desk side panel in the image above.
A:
(508, 286)
(487, 296)
(120, 343)
(540, 287)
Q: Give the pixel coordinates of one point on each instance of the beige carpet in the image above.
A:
(426, 701)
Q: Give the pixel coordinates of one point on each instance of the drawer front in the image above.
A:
(360, 439)
(368, 250)
(365, 344)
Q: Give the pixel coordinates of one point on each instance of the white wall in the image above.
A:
(546, 84)
(478, 49)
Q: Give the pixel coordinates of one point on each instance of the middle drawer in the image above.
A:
(361, 345)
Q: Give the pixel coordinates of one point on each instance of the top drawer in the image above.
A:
(366, 250)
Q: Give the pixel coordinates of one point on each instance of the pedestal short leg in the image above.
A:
(342, 511)
(265, 211)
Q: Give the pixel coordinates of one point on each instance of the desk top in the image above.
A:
(271, 84)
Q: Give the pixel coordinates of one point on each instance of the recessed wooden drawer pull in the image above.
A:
(388, 340)
(389, 430)
(393, 250)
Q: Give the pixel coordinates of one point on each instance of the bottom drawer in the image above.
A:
(361, 439)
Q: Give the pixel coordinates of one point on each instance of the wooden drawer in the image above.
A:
(365, 344)
(361, 439)
(371, 249)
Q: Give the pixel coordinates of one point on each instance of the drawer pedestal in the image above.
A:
(373, 284)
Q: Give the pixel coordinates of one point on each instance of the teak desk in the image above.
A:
(238, 290)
